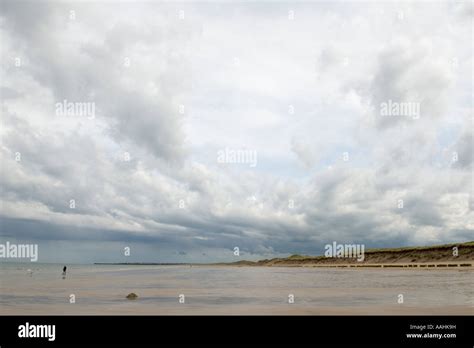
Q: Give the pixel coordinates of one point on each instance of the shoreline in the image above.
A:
(446, 256)
(419, 266)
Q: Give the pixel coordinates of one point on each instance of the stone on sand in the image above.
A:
(132, 296)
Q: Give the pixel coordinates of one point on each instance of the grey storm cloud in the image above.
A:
(168, 92)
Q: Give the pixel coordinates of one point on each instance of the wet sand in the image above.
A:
(101, 290)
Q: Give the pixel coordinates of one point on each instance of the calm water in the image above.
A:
(231, 290)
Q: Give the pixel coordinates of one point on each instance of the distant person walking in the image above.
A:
(64, 271)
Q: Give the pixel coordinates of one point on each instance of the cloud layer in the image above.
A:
(300, 85)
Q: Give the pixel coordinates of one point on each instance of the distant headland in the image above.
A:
(435, 256)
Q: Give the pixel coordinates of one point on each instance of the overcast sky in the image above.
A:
(299, 88)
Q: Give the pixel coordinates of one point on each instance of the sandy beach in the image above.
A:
(229, 290)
